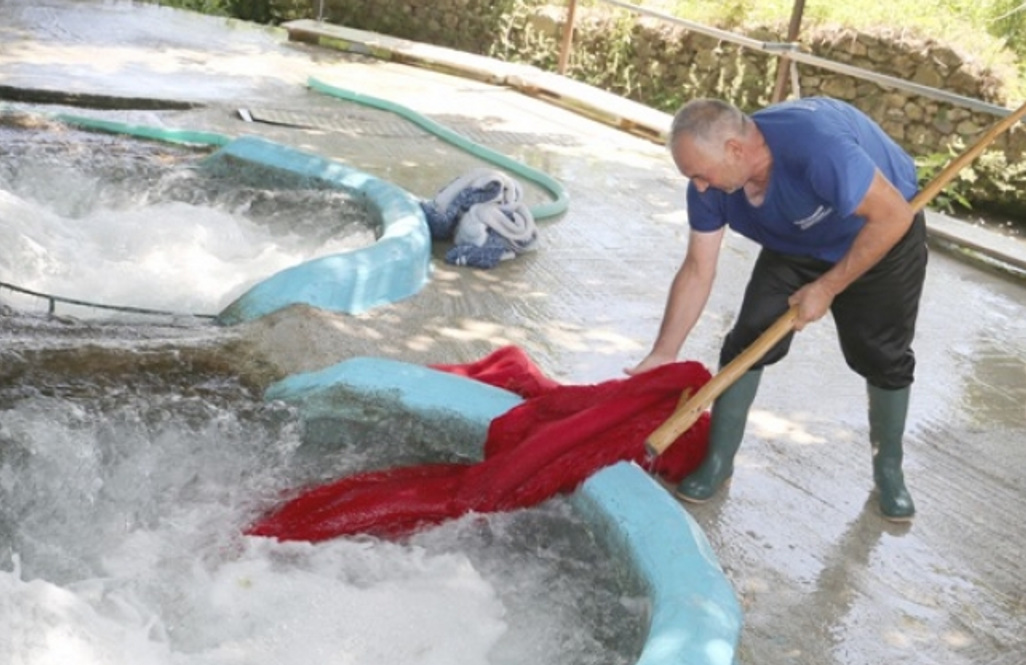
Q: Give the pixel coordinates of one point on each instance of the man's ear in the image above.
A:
(733, 147)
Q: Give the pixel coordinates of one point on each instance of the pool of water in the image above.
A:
(122, 500)
(115, 220)
(141, 546)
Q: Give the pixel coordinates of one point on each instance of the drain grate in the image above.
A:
(373, 124)
(344, 123)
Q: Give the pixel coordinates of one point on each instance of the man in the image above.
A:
(826, 193)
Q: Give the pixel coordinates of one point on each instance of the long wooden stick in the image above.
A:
(686, 415)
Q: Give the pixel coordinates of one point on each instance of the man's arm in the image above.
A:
(689, 293)
(888, 217)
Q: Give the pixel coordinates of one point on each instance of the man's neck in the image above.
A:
(762, 165)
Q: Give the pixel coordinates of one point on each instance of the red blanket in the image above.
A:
(549, 444)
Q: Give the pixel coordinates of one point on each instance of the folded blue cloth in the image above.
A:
(482, 212)
(485, 256)
(442, 221)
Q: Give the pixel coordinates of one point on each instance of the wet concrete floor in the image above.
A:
(822, 578)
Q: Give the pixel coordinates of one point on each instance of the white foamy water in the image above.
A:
(170, 256)
(122, 507)
(126, 549)
(269, 603)
(135, 227)
(120, 544)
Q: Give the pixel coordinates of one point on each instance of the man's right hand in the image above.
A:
(651, 361)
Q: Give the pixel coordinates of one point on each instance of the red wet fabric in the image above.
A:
(548, 444)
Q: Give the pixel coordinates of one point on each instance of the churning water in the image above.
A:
(129, 469)
(114, 220)
(124, 492)
(121, 511)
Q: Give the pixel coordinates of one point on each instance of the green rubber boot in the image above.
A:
(887, 411)
(729, 415)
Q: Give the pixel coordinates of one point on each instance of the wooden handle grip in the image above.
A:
(686, 415)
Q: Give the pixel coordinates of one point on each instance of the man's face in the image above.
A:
(705, 166)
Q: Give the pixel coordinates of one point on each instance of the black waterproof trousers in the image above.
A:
(875, 315)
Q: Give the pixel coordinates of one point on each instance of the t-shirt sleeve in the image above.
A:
(842, 175)
(705, 211)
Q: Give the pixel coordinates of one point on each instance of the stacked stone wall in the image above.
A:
(661, 64)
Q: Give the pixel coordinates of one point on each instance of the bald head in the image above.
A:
(709, 122)
(715, 145)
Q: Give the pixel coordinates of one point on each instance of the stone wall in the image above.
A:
(661, 65)
(465, 25)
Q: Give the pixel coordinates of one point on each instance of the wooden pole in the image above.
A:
(568, 37)
(784, 63)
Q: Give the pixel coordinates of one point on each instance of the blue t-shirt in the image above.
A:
(824, 156)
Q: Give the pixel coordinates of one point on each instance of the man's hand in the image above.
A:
(888, 217)
(651, 361)
(813, 301)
